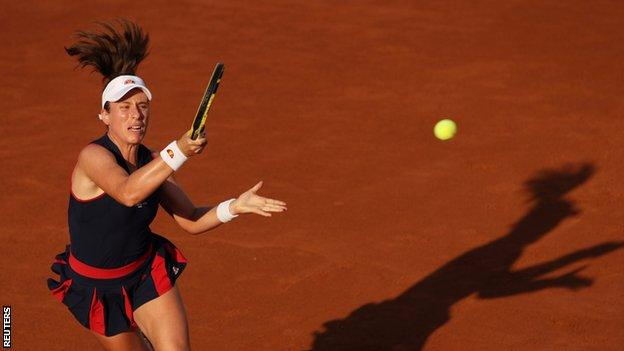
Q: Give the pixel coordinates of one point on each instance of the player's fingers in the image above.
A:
(199, 142)
(256, 187)
(273, 209)
(275, 202)
(200, 138)
(269, 205)
(260, 212)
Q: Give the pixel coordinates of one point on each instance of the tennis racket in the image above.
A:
(202, 111)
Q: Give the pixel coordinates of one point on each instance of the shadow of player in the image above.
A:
(405, 322)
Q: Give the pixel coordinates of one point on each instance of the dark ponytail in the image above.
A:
(112, 52)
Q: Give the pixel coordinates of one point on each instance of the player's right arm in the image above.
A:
(99, 166)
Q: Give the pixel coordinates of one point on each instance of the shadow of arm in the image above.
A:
(525, 280)
(553, 265)
(519, 285)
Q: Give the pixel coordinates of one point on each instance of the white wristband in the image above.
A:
(223, 211)
(173, 156)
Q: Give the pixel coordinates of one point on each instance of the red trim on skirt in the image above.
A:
(162, 283)
(61, 290)
(107, 273)
(175, 253)
(96, 315)
(128, 307)
(106, 306)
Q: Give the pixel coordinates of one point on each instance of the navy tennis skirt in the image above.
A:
(103, 300)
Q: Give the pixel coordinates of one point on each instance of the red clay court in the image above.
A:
(507, 237)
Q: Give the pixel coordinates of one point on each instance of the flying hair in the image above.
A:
(111, 51)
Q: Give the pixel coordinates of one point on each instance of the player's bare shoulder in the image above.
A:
(89, 157)
(93, 155)
(96, 162)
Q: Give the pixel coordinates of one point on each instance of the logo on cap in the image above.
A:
(129, 81)
(170, 153)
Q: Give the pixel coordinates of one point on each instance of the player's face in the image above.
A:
(129, 116)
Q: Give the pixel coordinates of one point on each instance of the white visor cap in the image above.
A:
(120, 86)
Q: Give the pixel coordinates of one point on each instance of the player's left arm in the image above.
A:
(191, 218)
(196, 220)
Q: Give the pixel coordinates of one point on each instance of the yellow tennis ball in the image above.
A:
(445, 129)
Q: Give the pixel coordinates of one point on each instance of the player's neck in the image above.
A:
(128, 151)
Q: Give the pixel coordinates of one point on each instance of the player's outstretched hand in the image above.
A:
(250, 202)
(192, 147)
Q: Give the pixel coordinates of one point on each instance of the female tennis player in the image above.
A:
(116, 276)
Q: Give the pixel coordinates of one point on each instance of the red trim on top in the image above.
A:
(85, 200)
(162, 283)
(56, 260)
(107, 273)
(61, 290)
(76, 197)
(96, 315)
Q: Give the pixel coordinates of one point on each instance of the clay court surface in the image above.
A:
(508, 237)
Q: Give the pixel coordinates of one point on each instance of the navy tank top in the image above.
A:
(106, 234)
